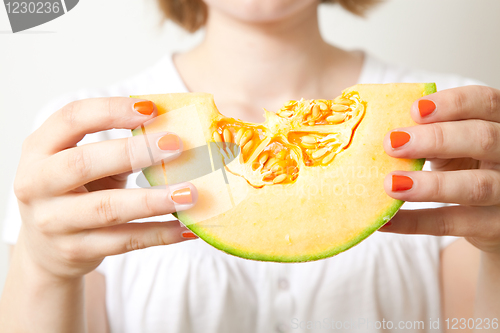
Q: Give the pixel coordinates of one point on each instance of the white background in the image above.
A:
(101, 42)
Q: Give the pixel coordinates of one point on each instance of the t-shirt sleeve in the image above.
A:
(444, 241)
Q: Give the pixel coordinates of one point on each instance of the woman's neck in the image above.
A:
(248, 66)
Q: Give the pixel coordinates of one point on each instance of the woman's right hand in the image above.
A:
(72, 202)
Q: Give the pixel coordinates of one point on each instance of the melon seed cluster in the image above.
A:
(307, 133)
(318, 149)
(319, 111)
(277, 163)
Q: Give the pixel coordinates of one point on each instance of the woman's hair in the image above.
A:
(192, 14)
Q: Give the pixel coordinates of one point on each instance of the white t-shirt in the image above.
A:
(192, 287)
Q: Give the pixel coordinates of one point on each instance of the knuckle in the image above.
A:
(110, 108)
(492, 100)
(439, 185)
(79, 163)
(43, 221)
(70, 252)
(27, 144)
(460, 100)
(147, 203)
(160, 238)
(482, 189)
(106, 211)
(134, 243)
(68, 113)
(488, 135)
(22, 190)
(438, 134)
(128, 152)
(443, 226)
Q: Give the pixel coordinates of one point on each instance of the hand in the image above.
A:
(459, 133)
(72, 202)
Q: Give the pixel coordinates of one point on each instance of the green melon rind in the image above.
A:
(417, 165)
(430, 88)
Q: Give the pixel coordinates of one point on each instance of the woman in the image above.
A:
(255, 53)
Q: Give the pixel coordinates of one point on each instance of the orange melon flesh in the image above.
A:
(326, 210)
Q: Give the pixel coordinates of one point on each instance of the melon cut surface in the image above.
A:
(304, 185)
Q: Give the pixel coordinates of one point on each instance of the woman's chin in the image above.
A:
(261, 11)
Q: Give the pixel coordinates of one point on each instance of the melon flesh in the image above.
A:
(326, 210)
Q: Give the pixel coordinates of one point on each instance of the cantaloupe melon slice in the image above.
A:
(304, 185)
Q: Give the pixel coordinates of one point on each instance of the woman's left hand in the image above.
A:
(459, 132)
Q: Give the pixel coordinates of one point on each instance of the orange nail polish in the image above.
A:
(426, 107)
(401, 183)
(188, 235)
(182, 196)
(399, 138)
(169, 142)
(144, 107)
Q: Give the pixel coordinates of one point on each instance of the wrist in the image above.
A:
(33, 292)
(36, 265)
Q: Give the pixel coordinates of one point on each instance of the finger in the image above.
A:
(66, 127)
(466, 187)
(111, 207)
(471, 102)
(466, 138)
(132, 236)
(480, 222)
(108, 183)
(77, 166)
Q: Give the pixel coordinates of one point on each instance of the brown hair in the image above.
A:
(192, 14)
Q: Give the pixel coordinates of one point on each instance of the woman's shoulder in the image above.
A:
(376, 70)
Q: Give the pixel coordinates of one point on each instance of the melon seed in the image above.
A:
(247, 147)
(315, 111)
(286, 114)
(276, 168)
(271, 162)
(328, 158)
(319, 153)
(343, 100)
(308, 145)
(239, 135)
(335, 117)
(323, 106)
(217, 137)
(227, 135)
(308, 139)
(263, 157)
(246, 137)
(279, 179)
(339, 107)
(281, 155)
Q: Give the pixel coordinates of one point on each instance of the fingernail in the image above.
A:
(401, 183)
(144, 107)
(426, 107)
(399, 138)
(188, 235)
(182, 196)
(169, 142)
